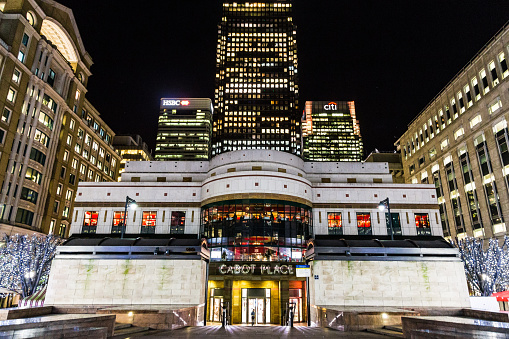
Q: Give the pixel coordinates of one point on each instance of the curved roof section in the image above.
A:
(60, 38)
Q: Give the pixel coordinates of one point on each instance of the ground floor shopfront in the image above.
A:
(271, 290)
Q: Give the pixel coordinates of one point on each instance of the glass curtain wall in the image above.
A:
(261, 230)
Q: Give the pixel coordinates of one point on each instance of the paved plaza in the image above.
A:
(259, 332)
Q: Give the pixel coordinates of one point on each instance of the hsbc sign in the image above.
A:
(175, 102)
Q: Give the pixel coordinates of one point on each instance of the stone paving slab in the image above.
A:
(261, 331)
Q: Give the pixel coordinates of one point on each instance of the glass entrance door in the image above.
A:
(257, 300)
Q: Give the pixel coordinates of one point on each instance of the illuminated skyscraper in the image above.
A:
(183, 130)
(331, 132)
(256, 94)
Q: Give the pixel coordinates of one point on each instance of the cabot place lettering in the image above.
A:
(250, 269)
(331, 106)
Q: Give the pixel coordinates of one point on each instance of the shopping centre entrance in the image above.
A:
(271, 290)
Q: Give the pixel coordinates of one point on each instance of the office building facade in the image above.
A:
(256, 94)
(131, 148)
(184, 129)
(45, 118)
(459, 144)
(330, 132)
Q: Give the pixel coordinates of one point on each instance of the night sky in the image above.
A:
(390, 57)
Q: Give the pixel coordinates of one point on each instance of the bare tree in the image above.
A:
(487, 269)
(25, 262)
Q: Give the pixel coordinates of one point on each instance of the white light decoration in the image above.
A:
(487, 270)
(25, 262)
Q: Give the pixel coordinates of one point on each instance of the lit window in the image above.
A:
(21, 56)
(11, 95)
(77, 95)
(458, 133)
(364, 223)
(74, 163)
(71, 124)
(484, 80)
(503, 65)
(475, 120)
(69, 139)
(16, 76)
(466, 89)
(495, 105)
(444, 143)
(68, 195)
(422, 224)
(493, 71)
(31, 18)
(59, 189)
(66, 155)
(6, 115)
(475, 86)
(334, 223)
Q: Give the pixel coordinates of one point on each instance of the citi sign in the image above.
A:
(331, 106)
(168, 102)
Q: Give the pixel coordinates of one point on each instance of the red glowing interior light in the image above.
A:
(184, 102)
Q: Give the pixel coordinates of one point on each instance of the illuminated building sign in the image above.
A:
(331, 106)
(246, 269)
(173, 102)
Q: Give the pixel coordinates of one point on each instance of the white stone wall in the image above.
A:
(126, 282)
(389, 283)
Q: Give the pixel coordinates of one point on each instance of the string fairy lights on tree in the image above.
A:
(25, 262)
(487, 269)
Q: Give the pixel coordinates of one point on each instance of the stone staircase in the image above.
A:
(127, 331)
(390, 331)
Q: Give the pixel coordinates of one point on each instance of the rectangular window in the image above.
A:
(503, 65)
(68, 195)
(422, 224)
(29, 195)
(334, 223)
(69, 139)
(51, 77)
(458, 133)
(494, 75)
(59, 189)
(46, 120)
(396, 222)
(6, 115)
(461, 102)
(178, 222)
(21, 56)
(364, 223)
(495, 105)
(74, 163)
(475, 121)
(444, 144)
(475, 86)
(72, 124)
(90, 222)
(148, 222)
(11, 95)
(66, 155)
(468, 95)
(16, 76)
(25, 39)
(118, 222)
(484, 81)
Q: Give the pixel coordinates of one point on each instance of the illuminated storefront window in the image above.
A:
(90, 222)
(364, 223)
(148, 222)
(422, 224)
(334, 223)
(118, 221)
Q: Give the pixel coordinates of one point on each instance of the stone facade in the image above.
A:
(126, 282)
(389, 283)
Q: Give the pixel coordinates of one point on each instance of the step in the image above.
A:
(436, 334)
(119, 326)
(396, 328)
(57, 332)
(452, 324)
(383, 331)
(130, 330)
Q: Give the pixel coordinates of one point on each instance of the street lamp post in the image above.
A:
(128, 202)
(382, 206)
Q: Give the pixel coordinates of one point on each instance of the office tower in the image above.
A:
(256, 95)
(131, 148)
(51, 137)
(459, 143)
(330, 132)
(184, 129)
